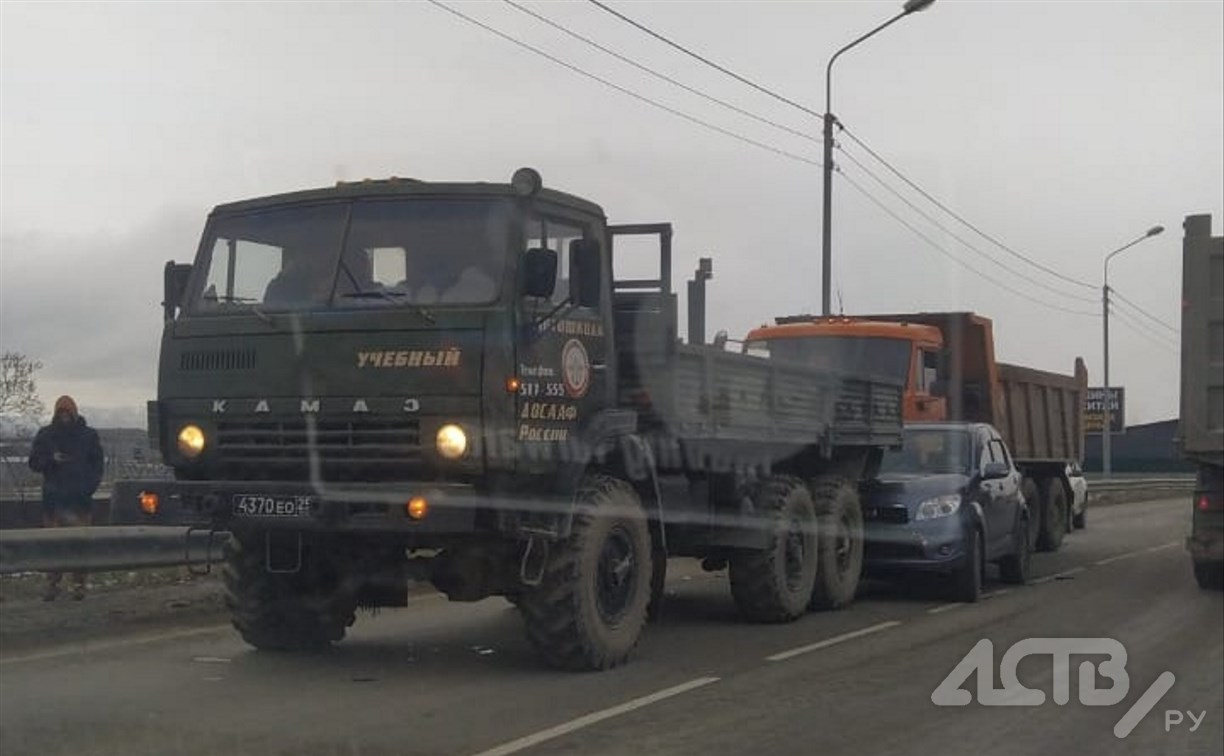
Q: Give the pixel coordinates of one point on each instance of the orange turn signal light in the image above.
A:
(513, 384)
(149, 502)
(417, 507)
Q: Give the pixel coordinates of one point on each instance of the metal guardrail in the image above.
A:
(105, 548)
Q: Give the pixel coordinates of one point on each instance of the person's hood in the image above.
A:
(66, 404)
(911, 490)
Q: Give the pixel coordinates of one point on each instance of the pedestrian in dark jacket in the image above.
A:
(68, 454)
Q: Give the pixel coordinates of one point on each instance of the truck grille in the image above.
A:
(344, 450)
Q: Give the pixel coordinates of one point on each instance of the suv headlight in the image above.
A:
(452, 441)
(940, 506)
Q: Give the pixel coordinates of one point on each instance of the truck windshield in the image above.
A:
(927, 451)
(372, 253)
(870, 356)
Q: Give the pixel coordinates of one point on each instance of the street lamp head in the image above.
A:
(1155, 230)
(913, 6)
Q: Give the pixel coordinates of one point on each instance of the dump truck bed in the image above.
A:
(1201, 430)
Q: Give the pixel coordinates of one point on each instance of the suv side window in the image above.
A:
(999, 451)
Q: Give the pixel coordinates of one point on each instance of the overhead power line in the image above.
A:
(913, 185)
(1142, 311)
(720, 68)
(662, 77)
(1137, 327)
(626, 91)
(972, 247)
(943, 251)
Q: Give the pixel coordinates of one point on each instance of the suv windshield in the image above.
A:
(929, 452)
(360, 254)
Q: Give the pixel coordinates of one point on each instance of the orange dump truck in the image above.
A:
(953, 376)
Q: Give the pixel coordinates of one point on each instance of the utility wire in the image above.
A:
(1142, 311)
(941, 250)
(961, 219)
(626, 91)
(663, 77)
(1137, 327)
(705, 60)
(935, 222)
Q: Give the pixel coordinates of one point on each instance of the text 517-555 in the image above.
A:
(548, 389)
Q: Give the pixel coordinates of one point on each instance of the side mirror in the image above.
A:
(586, 272)
(995, 471)
(174, 287)
(539, 274)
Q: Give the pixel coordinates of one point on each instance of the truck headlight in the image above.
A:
(191, 441)
(940, 506)
(452, 441)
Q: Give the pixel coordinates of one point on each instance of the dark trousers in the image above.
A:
(61, 517)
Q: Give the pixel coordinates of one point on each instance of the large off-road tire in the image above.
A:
(1209, 575)
(588, 611)
(1032, 496)
(303, 611)
(839, 542)
(965, 584)
(1053, 516)
(775, 584)
(1014, 568)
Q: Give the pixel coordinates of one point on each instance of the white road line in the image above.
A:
(783, 655)
(1116, 558)
(527, 741)
(92, 647)
(1162, 546)
(1068, 573)
(944, 608)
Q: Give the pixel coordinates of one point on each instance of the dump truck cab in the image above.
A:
(868, 345)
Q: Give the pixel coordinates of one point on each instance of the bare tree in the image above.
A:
(18, 389)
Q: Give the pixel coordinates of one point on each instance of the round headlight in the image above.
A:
(191, 441)
(452, 441)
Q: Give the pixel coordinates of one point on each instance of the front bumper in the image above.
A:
(936, 545)
(376, 508)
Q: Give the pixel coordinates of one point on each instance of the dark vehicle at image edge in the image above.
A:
(445, 382)
(948, 502)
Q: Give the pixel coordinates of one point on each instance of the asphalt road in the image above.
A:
(439, 678)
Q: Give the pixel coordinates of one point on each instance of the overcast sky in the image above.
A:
(1063, 129)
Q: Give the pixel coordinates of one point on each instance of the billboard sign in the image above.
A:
(1094, 410)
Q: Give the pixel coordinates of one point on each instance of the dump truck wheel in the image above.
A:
(775, 584)
(302, 611)
(588, 611)
(839, 537)
(1053, 516)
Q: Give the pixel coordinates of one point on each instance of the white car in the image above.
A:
(1079, 495)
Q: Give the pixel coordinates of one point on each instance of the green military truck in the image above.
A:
(1200, 432)
(395, 380)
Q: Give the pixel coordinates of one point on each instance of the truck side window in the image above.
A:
(928, 370)
(999, 451)
(555, 235)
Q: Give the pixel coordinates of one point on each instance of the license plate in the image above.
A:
(264, 505)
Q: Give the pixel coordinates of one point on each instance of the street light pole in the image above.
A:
(826, 234)
(1107, 417)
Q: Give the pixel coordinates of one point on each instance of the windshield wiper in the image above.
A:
(259, 313)
(390, 296)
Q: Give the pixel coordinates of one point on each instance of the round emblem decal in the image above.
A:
(575, 368)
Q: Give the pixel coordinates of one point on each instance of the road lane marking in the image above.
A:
(89, 647)
(783, 655)
(944, 608)
(1162, 547)
(1068, 573)
(528, 741)
(1116, 558)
